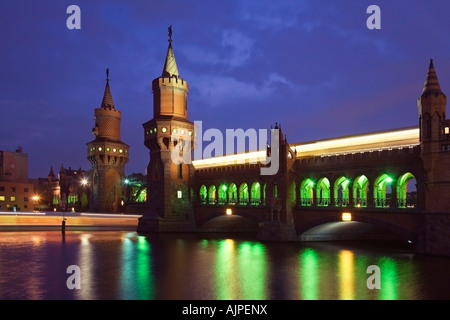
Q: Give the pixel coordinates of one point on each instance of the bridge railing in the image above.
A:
(381, 203)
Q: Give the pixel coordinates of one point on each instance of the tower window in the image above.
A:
(446, 130)
(164, 129)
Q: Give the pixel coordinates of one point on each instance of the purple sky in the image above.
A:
(312, 66)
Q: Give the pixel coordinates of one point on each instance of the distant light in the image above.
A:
(179, 194)
(229, 212)
(389, 179)
(84, 181)
(127, 181)
(346, 216)
(409, 241)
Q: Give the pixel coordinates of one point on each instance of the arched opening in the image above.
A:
(222, 193)
(323, 192)
(256, 194)
(360, 187)
(406, 191)
(382, 191)
(212, 197)
(243, 194)
(203, 193)
(306, 193)
(232, 193)
(341, 192)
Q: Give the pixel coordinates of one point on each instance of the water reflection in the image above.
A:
(125, 265)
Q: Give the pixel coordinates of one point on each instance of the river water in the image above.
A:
(121, 265)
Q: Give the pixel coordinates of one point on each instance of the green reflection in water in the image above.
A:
(309, 274)
(389, 279)
(225, 275)
(136, 279)
(126, 286)
(144, 276)
(252, 271)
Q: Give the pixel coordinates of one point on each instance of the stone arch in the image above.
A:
(243, 194)
(323, 192)
(255, 193)
(212, 194)
(307, 192)
(203, 194)
(360, 188)
(382, 190)
(222, 193)
(232, 193)
(341, 192)
(406, 191)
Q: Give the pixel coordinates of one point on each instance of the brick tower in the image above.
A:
(108, 156)
(168, 135)
(434, 144)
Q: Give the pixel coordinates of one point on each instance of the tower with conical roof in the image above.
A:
(434, 143)
(432, 105)
(108, 156)
(169, 136)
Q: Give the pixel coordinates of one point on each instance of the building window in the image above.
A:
(13, 189)
(25, 199)
(2, 198)
(2, 188)
(25, 190)
(447, 130)
(13, 198)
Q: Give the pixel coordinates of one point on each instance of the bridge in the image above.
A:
(396, 180)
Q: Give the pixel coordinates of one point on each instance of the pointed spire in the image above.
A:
(170, 66)
(431, 83)
(107, 101)
(51, 173)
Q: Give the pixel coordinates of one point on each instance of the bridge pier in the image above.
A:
(150, 224)
(276, 231)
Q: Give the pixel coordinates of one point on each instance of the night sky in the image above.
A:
(312, 66)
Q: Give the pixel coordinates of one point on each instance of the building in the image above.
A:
(16, 191)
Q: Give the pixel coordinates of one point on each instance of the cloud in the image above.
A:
(234, 50)
(274, 15)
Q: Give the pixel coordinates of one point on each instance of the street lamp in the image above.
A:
(35, 200)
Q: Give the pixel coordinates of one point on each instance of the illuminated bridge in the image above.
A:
(396, 180)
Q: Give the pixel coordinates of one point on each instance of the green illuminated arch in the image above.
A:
(243, 194)
(306, 192)
(341, 191)
(406, 191)
(256, 193)
(382, 191)
(323, 192)
(203, 194)
(222, 193)
(360, 187)
(232, 193)
(212, 194)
